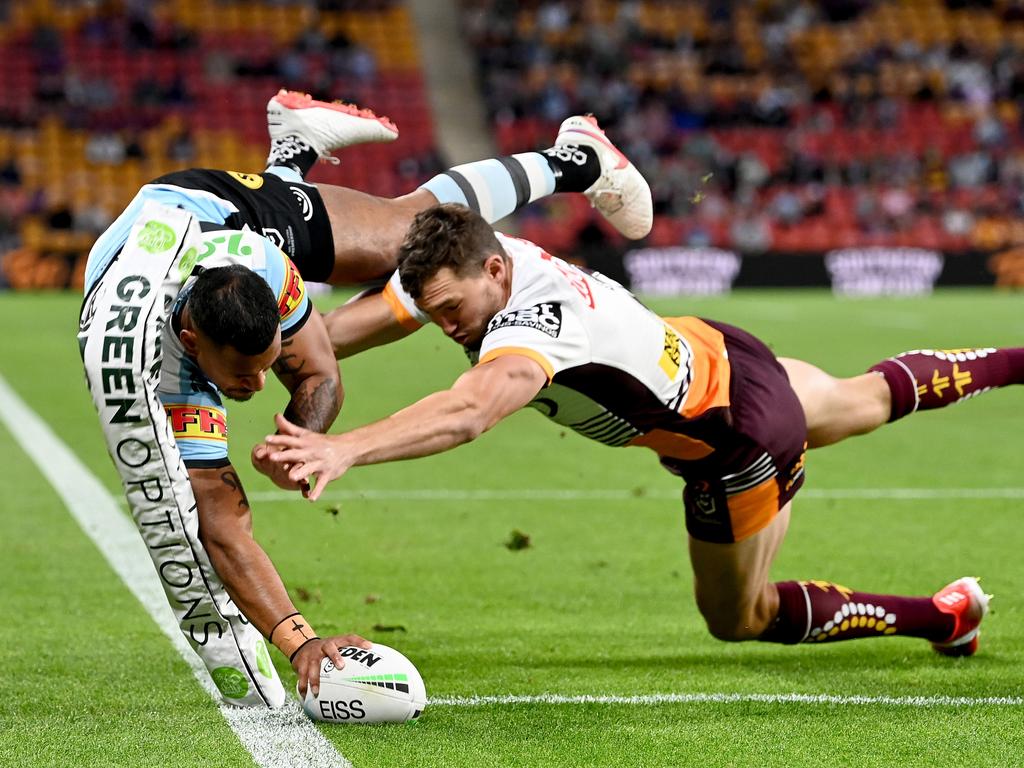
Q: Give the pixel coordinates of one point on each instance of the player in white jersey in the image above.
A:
(711, 400)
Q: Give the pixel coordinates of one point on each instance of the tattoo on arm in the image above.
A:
(230, 479)
(288, 364)
(314, 405)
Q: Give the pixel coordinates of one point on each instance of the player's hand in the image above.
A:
(260, 458)
(308, 660)
(307, 453)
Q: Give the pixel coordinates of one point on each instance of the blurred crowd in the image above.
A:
(778, 124)
(763, 125)
(100, 96)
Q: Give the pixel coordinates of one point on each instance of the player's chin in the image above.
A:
(238, 395)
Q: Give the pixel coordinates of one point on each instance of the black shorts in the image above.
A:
(758, 465)
(290, 214)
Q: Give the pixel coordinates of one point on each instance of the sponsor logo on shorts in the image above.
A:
(197, 422)
(304, 201)
(290, 298)
(250, 180)
(546, 318)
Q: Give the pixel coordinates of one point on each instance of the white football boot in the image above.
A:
(621, 194)
(293, 118)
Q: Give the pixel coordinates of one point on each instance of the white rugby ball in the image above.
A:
(378, 685)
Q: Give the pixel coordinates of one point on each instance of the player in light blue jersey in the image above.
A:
(198, 289)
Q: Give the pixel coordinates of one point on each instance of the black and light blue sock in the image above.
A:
(495, 188)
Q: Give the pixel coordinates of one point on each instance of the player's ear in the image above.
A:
(189, 341)
(495, 266)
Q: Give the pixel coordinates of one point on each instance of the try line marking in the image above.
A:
(731, 698)
(275, 738)
(623, 494)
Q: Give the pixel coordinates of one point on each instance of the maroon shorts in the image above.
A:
(758, 462)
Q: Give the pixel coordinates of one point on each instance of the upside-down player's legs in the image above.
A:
(368, 231)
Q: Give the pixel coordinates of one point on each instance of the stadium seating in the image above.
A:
(836, 102)
(96, 101)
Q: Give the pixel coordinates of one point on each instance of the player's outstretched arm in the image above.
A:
(478, 400)
(225, 529)
(363, 324)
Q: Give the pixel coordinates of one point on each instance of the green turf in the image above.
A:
(600, 603)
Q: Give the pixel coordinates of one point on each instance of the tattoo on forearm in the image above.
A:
(231, 480)
(288, 364)
(314, 405)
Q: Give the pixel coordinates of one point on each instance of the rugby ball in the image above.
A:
(378, 685)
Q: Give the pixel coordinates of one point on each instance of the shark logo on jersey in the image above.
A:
(546, 318)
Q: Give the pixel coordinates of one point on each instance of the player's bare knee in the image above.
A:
(731, 623)
(732, 629)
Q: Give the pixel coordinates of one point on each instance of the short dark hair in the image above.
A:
(234, 306)
(448, 235)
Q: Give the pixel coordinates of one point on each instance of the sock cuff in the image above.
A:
(902, 387)
(445, 189)
(792, 624)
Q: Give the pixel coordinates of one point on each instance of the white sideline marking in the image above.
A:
(733, 698)
(621, 494)
(275, 738)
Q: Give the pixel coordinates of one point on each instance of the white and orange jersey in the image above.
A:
(617, 372)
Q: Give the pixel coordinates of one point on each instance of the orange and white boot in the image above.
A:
(967, 603)
(325, 126)
(621, 194)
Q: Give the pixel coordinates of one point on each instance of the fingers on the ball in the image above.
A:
(333, 655)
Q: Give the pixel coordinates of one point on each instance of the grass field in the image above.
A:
(599, 604)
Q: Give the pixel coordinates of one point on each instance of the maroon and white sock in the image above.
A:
(820, 611)
(932, 378)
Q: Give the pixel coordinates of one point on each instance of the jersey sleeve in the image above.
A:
(199, 424)
(402, 305)
(284, 280)
(547, 332)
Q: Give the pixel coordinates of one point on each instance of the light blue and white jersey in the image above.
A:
(206, 206)
(194, 406)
